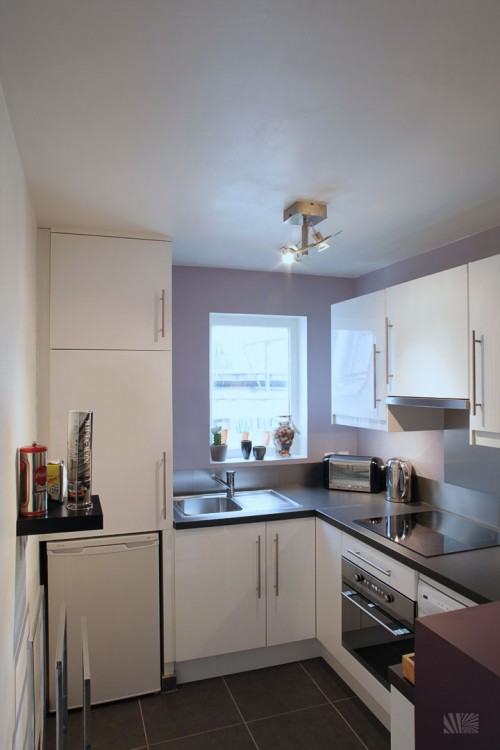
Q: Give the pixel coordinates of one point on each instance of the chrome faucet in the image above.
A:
(228, 484)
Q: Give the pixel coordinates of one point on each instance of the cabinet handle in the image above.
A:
(385, 571)
(277, 568)
(86, 685)
(475, 403)
(162, 329)
(375, 399)
(259, 568)
(164, 485)
(387, 326)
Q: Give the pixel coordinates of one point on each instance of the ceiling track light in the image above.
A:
(305, 214)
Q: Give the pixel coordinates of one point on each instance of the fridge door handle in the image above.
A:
(142, 545)
(104, 549)
(59, 552)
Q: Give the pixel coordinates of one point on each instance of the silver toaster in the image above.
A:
(353, 473)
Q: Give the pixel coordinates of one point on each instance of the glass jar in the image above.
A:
(283, 435)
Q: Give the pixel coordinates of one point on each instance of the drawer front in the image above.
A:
(381, 566)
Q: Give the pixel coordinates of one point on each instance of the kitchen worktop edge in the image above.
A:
(474, 574)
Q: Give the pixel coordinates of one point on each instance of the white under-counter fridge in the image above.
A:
(115, 583)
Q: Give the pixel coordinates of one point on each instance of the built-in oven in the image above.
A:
(377, 621)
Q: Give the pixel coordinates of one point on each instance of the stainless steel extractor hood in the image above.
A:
(429, 403)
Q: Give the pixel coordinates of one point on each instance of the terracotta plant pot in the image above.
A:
(218, 452)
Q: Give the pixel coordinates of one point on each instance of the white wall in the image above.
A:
(425, 450)
(43, 334)
(18, 560)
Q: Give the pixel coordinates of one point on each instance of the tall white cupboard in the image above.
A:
(110, 352)
(110, 340)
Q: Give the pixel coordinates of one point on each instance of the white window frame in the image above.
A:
(297, 325)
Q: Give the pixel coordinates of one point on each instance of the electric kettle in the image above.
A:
(398, 480)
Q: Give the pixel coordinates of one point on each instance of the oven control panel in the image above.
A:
(375, 588)
(378, 592)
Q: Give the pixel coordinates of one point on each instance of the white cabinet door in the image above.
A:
(484, 305)
(427, 333)
(329, 586)
(220, 596)
(291, 581)
(130, 395)
(358, 362)
(109, 293)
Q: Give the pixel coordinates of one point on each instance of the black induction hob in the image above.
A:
(432, 533)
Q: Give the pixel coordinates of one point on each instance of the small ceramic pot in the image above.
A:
(259, 452)
(246, 449)
(218, 452)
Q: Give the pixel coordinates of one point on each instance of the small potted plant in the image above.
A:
(218, 448)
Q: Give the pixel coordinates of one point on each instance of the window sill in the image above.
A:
(266, 460)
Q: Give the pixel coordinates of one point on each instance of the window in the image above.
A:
(258, 372)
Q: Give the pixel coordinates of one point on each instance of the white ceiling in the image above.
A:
(202, 119)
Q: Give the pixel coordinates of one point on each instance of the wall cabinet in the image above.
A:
(234, 583)
(130, 395)
(427, 336)
(409, 340)
(358, 362)
(109, 293)
(484, 305)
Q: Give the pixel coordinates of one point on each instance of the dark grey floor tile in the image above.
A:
(265, 692)
(117, 726)
(192, 708)
(370, 729)
(231, 738)
(328, 680)
(313, 728)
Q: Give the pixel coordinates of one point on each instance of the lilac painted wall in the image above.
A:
(438, 455)
(199, 291)
(478, 246)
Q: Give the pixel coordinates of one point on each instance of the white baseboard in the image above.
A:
(216, 666)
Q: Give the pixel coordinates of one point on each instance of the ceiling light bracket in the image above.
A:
(305, 212)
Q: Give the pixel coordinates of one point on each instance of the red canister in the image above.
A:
(33, 480)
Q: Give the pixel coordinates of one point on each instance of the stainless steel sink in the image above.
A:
(202, 505)
(250, 502)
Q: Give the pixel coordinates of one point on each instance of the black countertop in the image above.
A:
(474, 574)
(59, 519)
(396, 678)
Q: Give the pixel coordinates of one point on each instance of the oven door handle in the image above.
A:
(372, 616)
